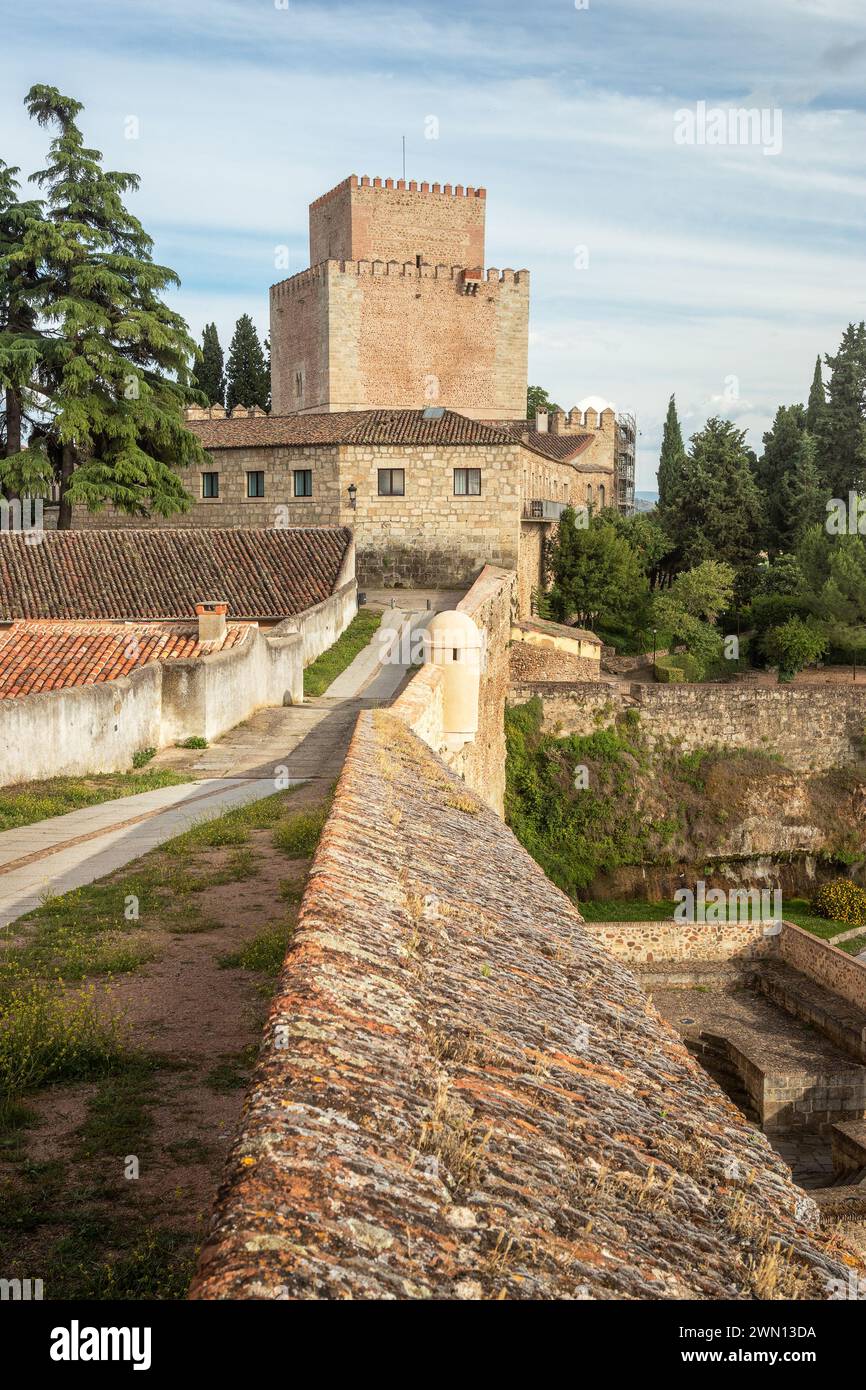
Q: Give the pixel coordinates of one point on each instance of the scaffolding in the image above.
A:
(624, 461)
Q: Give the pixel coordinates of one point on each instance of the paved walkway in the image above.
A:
(276, 748)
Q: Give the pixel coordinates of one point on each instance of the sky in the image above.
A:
(668, 253)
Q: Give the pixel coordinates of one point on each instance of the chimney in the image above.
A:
(541, 421)
(557, 422)
(211, 621)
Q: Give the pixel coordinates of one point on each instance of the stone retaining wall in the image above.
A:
(810, 728)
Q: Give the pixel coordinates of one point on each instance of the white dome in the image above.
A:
(597, 403)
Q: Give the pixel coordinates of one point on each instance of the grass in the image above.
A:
(118, 1120)
(796, 910)
(35, 801)
(194, 741)
(264, 954)
(299, 834)
(46, 1036)
(327, 667)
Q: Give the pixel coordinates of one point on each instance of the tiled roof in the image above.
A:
(260, 574)
(549, 629)
(346, 427)
(462, 1095)
(561, 447)
(37, 656)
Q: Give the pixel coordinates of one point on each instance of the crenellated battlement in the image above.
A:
(491, 278)
(445, 190)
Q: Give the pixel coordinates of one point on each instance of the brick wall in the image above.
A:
(364, 220)
(375, 334)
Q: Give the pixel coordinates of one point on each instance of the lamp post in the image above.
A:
(655, 630)
(353, 496)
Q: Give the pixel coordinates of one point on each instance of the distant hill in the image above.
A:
(644, 501)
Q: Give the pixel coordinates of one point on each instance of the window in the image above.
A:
(210, 484)
(467, 482)
(255, 484)
(299, 385)
(392, 482)
(601, 495)
(303, 482)
(589, 494)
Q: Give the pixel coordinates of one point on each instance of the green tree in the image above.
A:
(833, 591)
(688, 610)
(793, 646)
(210, 372)
(645, 534)
(247, 370)
(782, 443)
(672, 460)
(841, 429)
(716, 512)
(19, 338)
(598, 578)
(538, 399)
(110, 362)
(817, 400)
(802, 495)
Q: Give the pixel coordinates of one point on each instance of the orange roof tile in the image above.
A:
(51, 654)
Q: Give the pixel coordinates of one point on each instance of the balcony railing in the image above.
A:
(541, 510)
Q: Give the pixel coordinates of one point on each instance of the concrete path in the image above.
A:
(276, 748)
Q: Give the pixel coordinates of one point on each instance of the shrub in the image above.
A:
(841, 901)
(792, 646)
(142, 756)
(45, 1036)
(196, 741)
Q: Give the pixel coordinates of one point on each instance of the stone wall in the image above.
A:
(400, 336)
(810, 728)
(480, 763)
(277, 508)
(827, 965)
(642, 943)
(430, 537)
(452, 1068)
(531, 570)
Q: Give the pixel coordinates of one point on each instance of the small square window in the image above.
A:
(467, 482)
(303, 482)
(210, 484)
(256, 484)
(392, 482)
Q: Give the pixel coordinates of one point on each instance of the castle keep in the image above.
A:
(398, 310)
(399, 393)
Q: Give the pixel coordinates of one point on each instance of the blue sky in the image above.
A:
(715, 271)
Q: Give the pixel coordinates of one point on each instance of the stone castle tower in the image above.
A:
(397, 310)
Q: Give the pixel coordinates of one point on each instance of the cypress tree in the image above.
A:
(114, 362)
(782, 451)
(817, 399)
(841, 429)
(247, 371)
(671, 459)
(210, 373)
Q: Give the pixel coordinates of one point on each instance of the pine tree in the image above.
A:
(841, 430)
(210, 372)
(247, 371)
(817, 400)
(716, 512)
(113, 373)
(802, 496)
(671, 459)
(19, 340)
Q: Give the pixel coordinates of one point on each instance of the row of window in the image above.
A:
(392, 483)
